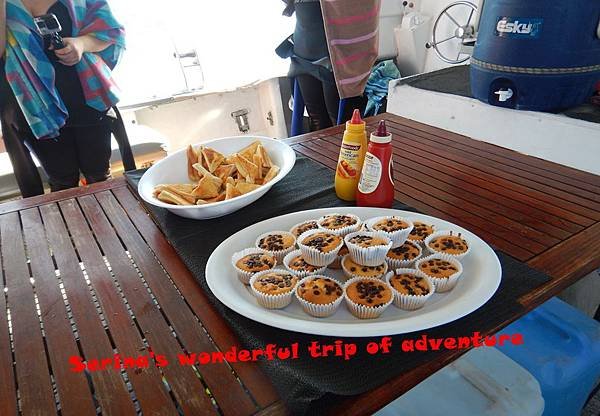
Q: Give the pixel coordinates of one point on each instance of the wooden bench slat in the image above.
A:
(526, 215)
(110, 387)
(147, 383)
(74, 393)
(492, 148)
(186, 386)
(499, 161)
(257, 383)
(33, 374)
(181, 317)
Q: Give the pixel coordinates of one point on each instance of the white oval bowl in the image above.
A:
(173, 169)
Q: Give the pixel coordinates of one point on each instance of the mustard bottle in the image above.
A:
(352, 156)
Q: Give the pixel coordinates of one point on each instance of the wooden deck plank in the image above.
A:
(500, 161)
(221, 334)
(147, 382)
(501, 240)
(8, 388)
(528, 216)
(182, 318)
(492, 148)
(33, 374)
(572, 202)
(522, 235)
(109, 386)
(74, 393)
(186, 386)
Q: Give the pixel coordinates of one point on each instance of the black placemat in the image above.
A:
(303, 381)
(456, 80)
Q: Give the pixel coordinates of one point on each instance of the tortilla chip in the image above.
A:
(225, 171)
(218, 198)
(258, 162)
(208, 187)
(171, 198)
(246, 168)
(250, 150)
(271, 174)
(188, 196)
(212, 158)
(231, 191)
(267, 163)
(244, 187)
(192, 158)
(201, 202)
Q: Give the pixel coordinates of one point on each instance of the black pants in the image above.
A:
(78, 150)
(322, 102)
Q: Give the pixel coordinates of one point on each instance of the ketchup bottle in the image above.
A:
(376, 185)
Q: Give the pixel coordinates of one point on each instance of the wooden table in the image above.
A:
(85, 270)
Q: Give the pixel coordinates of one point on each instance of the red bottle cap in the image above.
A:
(356, 117)
(381, 129)
(381, 135)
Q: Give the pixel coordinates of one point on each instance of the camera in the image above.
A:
(49, 27)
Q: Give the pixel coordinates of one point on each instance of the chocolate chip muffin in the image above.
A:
(404, 255)
(304, 227)
(420, 231)
(444, 270)
(273, 289)
(367, 298)
(322, 241)
(297, 264)
(411, 288)
(368, 240)
(409, 284)
(250, 261)
(390, 224)
(319, 290)
(340, 224)
(447, 242)
(353, 269)
(319, 247)
(277, 243)
(256, 262)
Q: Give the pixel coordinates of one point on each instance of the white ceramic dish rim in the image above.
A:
(358, 328)
(156, 202)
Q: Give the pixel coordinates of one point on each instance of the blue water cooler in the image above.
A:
(539, 55)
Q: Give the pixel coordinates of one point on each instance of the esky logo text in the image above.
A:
(519, 27)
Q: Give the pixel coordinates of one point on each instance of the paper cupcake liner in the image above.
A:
(410, 302)
(349, 275)
(367, 256)
(443, 233)
(398, 237)
(299, 224)
(280, 254)
(361, 311)
(244, 275)
(271, 301)
(314, 256)
(419, 239)
(341, 231)
(300, 274)
(314, 309)
(397, 263)
(441, 284)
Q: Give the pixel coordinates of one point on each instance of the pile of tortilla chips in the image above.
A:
(217, 177)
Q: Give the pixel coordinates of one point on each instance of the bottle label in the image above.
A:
(371, 174)
(349, 159)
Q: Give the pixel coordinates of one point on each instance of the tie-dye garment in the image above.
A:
(31, 75)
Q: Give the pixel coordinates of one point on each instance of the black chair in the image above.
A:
(26, 172)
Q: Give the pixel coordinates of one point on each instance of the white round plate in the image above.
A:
(173, 169)
(479, 281)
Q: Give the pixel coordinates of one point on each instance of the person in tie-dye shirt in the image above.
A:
(56, 101)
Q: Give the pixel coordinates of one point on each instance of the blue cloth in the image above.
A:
(377, 85)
